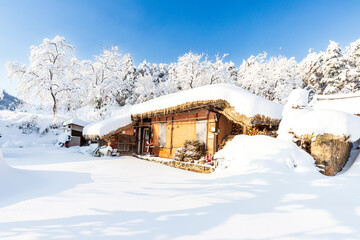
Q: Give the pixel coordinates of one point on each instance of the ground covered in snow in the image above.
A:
(274, 193)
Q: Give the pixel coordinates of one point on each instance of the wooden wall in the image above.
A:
(225, 128)
(182, 127)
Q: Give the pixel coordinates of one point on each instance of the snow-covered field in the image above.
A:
(54, 193)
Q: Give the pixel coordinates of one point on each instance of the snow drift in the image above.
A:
(23, 129)
(251, 154)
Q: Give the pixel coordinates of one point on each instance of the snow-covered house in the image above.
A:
(209, 114)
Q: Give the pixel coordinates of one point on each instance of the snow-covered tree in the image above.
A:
(217, 71)
(48, 75)
(194, 70)
(111, 78)
(150, 81)
(188, 71)
(332, 71)
(273, 79)
(128, 80)
(353, 66)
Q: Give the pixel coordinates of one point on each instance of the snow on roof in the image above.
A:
(107, 126)
(333, 122)
(76, 122)
(349, 103)
(244, 102)
(298, 98)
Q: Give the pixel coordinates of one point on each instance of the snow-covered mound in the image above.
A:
(250, 154)
(244, 102)
(3, 166)
(349, 103)
(333, 122)
(22, 129)
(296, 106)
(298, 98)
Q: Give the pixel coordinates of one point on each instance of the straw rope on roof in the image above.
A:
(220, 106)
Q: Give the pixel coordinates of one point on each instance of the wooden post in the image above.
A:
(207, 129)
(217, 118)
(171, 136)
(245, 130)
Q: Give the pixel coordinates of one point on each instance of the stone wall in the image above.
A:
(199, 168)
(330, 152)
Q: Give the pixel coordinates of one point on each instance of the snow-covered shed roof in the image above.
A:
(76, 121)
(349, 103)
(232, 101)
(113, 124)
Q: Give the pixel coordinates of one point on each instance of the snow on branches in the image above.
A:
(48, 75)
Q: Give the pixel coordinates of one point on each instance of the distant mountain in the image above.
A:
(9, 102)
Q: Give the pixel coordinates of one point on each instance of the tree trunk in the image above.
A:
(54, 104)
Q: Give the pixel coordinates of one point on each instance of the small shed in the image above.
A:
(75, 127)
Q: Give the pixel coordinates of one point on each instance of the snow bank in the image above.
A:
(319, 122)
(3, 166)
(249, 154)
(243, 101)
(63, 138)
(349, 103)
(23, 129)
(107, 126)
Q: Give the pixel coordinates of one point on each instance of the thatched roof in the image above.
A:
(220, 106)
(242, 101)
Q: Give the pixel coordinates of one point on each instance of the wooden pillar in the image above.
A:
(171, 136)
(244, 130)
(217, 118)
(207, 129)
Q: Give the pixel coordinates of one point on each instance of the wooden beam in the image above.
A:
(171, 136)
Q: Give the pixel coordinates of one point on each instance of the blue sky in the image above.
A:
(160, 31)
